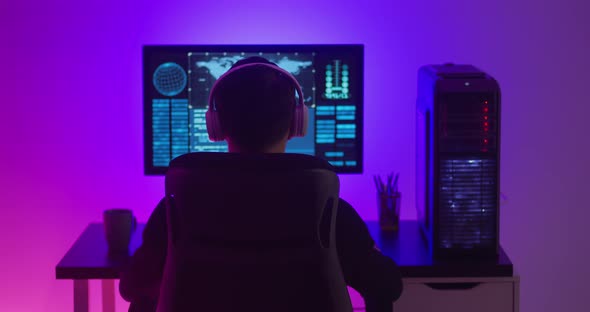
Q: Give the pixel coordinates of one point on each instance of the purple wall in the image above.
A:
(71, 118)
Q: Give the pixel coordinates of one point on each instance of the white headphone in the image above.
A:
(300, 117)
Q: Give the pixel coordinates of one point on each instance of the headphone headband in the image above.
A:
(300, 119)
(268, 65)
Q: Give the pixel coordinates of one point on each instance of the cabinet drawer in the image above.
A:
(457, 297)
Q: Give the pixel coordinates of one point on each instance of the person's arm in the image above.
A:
(140, 280)
(375, 276)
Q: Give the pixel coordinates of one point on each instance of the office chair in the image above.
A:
(252, 233)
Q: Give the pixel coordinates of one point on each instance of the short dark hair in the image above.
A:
(255, 105)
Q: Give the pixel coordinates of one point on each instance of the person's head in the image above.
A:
(255, 107)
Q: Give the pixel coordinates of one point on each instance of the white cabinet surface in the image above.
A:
(456, 294)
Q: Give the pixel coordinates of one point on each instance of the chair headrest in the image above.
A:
(250, 162)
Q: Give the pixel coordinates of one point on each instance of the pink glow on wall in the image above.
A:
(71, 118)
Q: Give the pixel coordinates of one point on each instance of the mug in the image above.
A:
(119, 225)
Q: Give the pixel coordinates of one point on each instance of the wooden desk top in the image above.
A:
(88, 258)
(409, 250)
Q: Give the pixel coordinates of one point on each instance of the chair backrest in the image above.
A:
(252, 233)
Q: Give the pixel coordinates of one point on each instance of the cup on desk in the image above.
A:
(119, 225)
(389, 207)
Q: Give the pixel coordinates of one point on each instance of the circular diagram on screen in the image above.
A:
(170, 79)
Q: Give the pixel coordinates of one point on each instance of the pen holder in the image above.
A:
(389, 208)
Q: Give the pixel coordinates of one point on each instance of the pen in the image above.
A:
(377, 184)
(383, 186)
(389, 188)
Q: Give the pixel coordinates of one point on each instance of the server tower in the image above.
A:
(458, 160)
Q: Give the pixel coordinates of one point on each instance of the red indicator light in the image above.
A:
(485, 141)
(485, 102)
(485, 117)
(485, 124)
(485, 109)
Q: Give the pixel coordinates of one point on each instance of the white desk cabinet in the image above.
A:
(435, 285)
(485, 294)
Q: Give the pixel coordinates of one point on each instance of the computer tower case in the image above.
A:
(458, 160)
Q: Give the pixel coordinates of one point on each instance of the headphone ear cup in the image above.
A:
(300, 121)
(214, 126)
(304, 120)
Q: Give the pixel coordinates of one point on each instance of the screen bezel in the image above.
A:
(356, 51)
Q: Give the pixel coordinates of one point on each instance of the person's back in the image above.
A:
(254, 108)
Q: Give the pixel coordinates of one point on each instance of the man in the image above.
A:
(255, 107)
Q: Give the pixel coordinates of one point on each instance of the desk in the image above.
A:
(88, 259)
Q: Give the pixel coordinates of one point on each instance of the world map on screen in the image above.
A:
(206, 68)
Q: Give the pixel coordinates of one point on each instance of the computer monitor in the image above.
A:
(177, 80)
